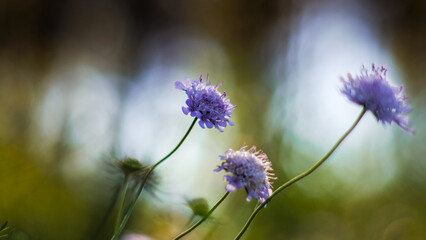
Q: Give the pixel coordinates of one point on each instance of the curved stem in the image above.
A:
(204, 218)
(132, 205)
(177, 146)
(300, 176)
(122, 201)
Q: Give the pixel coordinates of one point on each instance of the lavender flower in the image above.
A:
(206, 103)
(375, 93)
(250, 169)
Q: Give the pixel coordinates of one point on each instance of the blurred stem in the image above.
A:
(124, 187)
(190, 221)
(151, 169)
(108, 212)
(204, 218)
(300, 176)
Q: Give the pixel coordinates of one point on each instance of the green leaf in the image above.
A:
(3, 227)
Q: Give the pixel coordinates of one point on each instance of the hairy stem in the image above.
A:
(122, 201)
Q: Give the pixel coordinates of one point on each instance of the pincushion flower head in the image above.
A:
(249, 169)
(376, 94)
(205, 102)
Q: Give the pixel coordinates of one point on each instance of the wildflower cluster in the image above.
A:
(250, 169)
(205, 102)
(376, 94)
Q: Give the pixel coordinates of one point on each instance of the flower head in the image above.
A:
(205, 102)
(376, 94)
(250, 169)
(130, 165)
(199, 206)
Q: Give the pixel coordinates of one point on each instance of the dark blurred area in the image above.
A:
(85, 82)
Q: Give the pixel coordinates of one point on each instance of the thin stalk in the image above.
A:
(108, 212)
(300, 176)
(132, 205)
(122, 201)
(204, 218)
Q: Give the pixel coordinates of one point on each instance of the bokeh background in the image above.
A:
(84, 83)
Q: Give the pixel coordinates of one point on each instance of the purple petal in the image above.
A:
(218, 128)
(403, 123)
(179, 85)
(229, 178)
(220, 168)
(198, 114)
(189, 102)
(185, 110)
(230, 188)
(201, 123)
(222, 124)
(240, 185)
(209, 124)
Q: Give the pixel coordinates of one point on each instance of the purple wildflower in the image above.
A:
(206, 103)
(375, 93)
(250, 169)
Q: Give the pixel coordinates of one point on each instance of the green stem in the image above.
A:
(122, 201)
(108, 212)
(204, 218)
(300, 176)
(129, 211)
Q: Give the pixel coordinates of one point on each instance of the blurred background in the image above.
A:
(84, 83)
